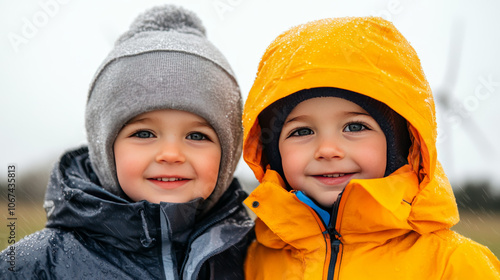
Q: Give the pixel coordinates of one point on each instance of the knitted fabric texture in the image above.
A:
(163, 62)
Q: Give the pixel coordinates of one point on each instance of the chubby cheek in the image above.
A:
(124, 169)
(208, 183)
(207, 168)
(293, 162)
(128, 170)
(374, 159)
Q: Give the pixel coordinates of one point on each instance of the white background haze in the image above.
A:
(50, 50)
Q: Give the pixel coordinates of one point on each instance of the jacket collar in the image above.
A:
(74, 200)
(373, 211)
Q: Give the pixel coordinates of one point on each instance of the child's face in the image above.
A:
(326, 142)
(167, 155)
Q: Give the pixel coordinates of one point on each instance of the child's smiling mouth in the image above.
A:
(168, 179)
(333, 179)
(334, 175)
(169, 182)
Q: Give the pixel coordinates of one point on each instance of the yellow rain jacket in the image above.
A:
(396, 227)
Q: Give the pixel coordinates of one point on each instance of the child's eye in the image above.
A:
(354, 127)
(302, 132)
(143, 134)
(197, 136)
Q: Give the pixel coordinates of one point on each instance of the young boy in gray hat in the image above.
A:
(153, 195)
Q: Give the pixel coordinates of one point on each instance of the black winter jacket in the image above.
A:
(93, 234)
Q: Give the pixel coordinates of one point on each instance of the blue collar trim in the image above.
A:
(324, 215)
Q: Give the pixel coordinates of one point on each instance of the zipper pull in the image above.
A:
(336, 246)
(334, 234)
(333, 220)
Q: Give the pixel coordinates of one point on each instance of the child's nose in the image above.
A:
(170, 152)
(329, 148)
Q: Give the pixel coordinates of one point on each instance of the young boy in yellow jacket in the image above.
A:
(340, 129)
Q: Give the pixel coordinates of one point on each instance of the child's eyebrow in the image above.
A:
(202, 123)
(194, 123)
(136, 121)
(357, 113)
(297, 118)
(305, 117)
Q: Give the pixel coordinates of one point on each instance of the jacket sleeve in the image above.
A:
(472, 261)
(229, 264)
(27, 257)
(250, 266)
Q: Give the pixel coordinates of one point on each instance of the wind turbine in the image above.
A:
(453, 109)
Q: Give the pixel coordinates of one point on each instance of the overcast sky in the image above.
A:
(50, 50)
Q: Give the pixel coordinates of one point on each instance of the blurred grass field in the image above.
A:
(482, 227)
(30, 217)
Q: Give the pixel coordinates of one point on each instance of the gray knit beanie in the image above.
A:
(163, 62)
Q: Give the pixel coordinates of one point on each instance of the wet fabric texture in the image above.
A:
(164, 61)
(93, 234)
(396, 227)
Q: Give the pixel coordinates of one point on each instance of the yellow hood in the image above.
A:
(369, 56)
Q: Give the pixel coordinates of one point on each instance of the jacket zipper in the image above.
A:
(334, 241)
(200, 231)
